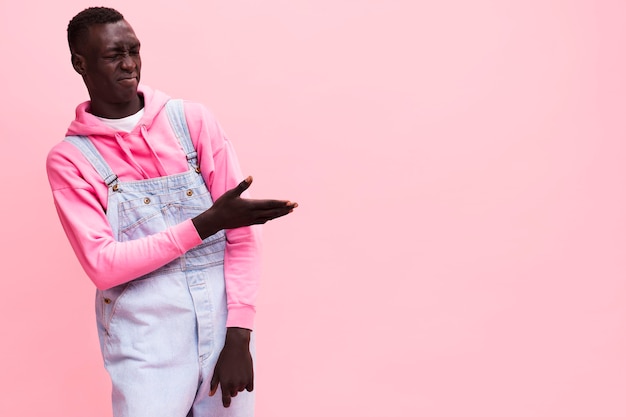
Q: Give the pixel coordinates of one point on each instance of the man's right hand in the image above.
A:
(231, 211)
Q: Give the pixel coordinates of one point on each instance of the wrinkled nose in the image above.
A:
(128, 63)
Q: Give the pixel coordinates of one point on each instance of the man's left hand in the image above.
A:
(234, 371)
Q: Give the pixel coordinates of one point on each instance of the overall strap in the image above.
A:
(89, 151)
(176, 115)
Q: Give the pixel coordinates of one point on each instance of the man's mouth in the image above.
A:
(128, 80)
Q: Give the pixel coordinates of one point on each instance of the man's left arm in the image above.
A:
(220, 168)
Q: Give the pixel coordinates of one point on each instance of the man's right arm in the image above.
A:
(108, 262)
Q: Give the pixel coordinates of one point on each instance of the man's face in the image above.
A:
(109, 61)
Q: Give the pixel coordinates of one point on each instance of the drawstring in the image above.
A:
(144, 135)
(122, 144)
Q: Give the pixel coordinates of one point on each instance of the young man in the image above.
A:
(145, 187)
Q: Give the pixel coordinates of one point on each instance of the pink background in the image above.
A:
(459, 249)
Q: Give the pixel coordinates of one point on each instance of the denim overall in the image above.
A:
(161, 334)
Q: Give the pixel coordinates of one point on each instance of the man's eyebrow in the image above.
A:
(122, 46)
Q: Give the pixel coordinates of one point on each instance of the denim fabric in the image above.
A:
(161, 334)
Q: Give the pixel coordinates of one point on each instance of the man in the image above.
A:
(145, 187)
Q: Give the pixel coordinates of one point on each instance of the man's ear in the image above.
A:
(78, 62)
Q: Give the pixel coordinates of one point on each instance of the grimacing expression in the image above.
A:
(108, 59)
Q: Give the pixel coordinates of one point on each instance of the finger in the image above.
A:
(267, 215)
(243, 186)
(250, 385)
(270, 204)
(214, 383)
(225, 399)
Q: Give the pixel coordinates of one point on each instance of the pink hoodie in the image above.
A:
(150, 150)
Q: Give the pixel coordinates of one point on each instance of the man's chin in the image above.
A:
(127, 97)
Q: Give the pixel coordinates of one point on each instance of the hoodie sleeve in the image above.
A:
(220, 168)
(81, 209)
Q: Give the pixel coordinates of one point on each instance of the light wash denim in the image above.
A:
(161, 334)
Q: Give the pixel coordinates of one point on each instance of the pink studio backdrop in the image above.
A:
(460, 244)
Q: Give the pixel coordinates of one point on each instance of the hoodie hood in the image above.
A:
(136, 146)
(86, 124)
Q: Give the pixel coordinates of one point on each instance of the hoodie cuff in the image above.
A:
(186, 236)
(241, 316)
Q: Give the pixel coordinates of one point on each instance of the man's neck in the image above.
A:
(116, 111)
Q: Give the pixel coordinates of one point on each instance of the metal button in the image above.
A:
(198, 170)
(189, 193)
(115, 187)
(146, 200)
(107, 301)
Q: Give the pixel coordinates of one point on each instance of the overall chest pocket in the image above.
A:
(150, 213)
(143, 216)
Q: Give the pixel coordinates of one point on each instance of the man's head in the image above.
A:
(105, 52)
(78, 28)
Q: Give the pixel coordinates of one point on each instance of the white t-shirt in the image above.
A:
(125, 124)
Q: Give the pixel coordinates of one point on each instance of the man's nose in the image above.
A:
(128, 63)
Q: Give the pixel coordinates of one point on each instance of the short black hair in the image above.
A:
(79, 25)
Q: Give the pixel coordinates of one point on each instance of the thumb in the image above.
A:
(242, 186)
